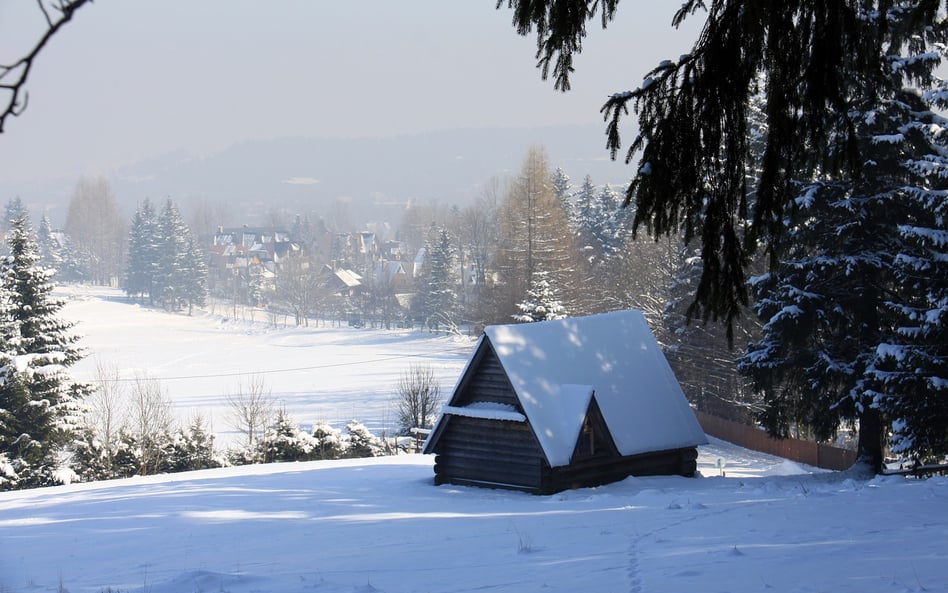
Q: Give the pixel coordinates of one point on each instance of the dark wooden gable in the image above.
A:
(594, 440)
(485, 381)
(485, 452)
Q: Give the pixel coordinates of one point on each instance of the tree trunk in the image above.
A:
(869, 448)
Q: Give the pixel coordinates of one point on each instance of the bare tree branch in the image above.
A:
(13, 77)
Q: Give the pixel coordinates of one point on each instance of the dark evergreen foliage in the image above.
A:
(437, 297)
(164, 260)
(40, 407)
(835, 348)
(13, 210)
(541, 302)
(819, 57)
(285, 442)
(143, 250)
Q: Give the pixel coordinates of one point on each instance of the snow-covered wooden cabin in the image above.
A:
(552, 405)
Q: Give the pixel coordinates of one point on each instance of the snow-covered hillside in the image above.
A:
(316, 373)
(380, 525)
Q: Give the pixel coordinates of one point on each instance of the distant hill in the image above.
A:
(378, 175)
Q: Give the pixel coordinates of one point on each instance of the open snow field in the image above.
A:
(379, 525)
(316, 373)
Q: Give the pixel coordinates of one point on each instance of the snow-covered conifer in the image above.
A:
(442, 297)
(848, 309)
(360, 442)
(40, 406)
(143, 251)
(541, 303)
(284, 441)
(329, 443)
(172, 239)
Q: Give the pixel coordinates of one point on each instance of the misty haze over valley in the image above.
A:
(376, 177)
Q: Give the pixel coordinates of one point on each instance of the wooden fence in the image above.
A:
(750, 437)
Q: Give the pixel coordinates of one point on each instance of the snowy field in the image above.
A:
(381, 526)
(316, 373)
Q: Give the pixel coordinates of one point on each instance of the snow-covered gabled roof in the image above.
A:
(556, 367)
(348, 277)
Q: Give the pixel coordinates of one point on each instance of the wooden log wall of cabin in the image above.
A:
(595, 472)
(476, 450)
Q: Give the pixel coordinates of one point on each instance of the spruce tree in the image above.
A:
(562, 189)
(194, 447)
(693, 169)
(835, 348)
(169, 281)
(442, 297)
(40, 406)
(51, 255)
(541, 302)
(284, 441)
(13, 210)
(143, 252)
(329, 443)
(910, 370)
(360, 442)
(194, 274)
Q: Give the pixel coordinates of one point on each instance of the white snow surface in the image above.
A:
(318, 373)
(381, 526)
(554, 366)
(486, 411)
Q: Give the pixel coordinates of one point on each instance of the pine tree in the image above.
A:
(13, 210)
(329, 443)
(169, 283)
(541, 303)
(823, 59)
(442, 296)
(194, 274)
(51, 252)
(143, 252)
(40, 407)
(828, 306)
(360, 442)
(194, 447)
(284, 441)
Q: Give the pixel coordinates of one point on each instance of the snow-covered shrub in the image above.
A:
(328, 442)
(361, 442)
(284, 441)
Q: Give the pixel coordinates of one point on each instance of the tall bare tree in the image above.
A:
(535, 235)
(106, 410)
(96, 227)
(419, 398)
(150, 421)
(299, 287)
(251, 408)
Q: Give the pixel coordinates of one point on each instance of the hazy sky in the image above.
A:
(130, 79)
